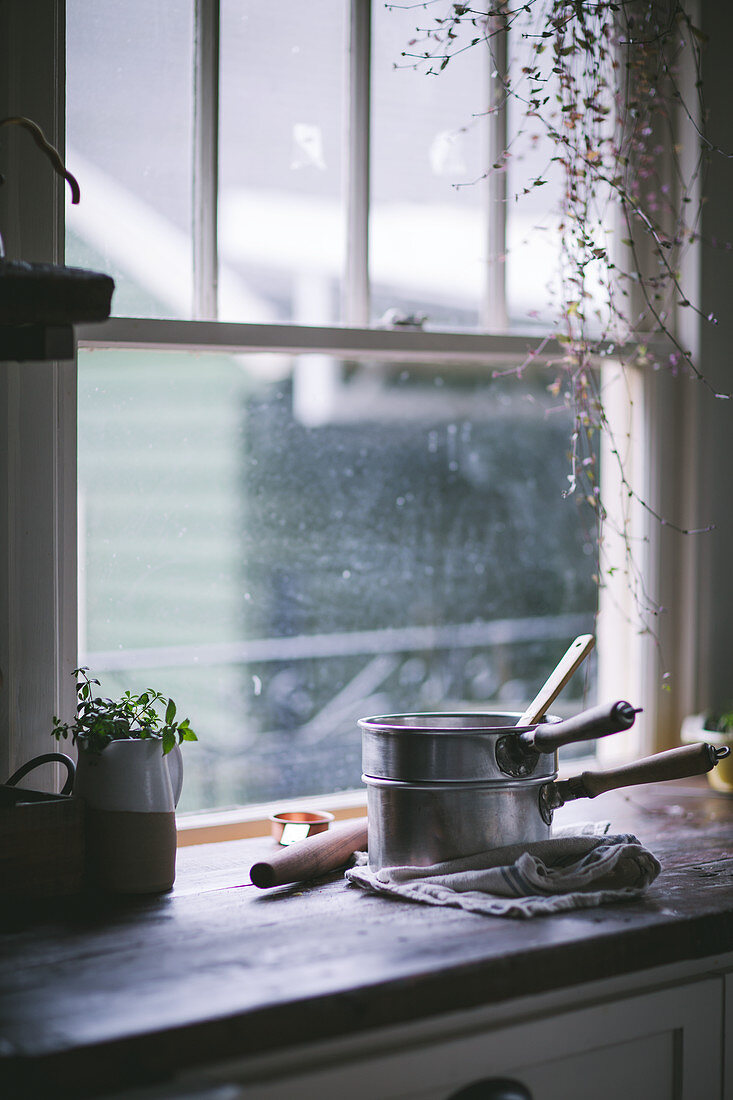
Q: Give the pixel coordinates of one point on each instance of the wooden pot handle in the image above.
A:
(596, 722)
(314, 856)
(673, 764)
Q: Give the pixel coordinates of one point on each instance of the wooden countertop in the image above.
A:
(97, 992)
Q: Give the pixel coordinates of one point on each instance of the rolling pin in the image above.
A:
(316, 855)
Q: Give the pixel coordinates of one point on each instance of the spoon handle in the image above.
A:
(557, 679)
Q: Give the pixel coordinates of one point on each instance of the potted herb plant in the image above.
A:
(129, 775)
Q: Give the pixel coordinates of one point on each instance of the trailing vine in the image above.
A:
(602, 84)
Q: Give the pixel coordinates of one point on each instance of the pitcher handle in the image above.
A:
(175, 770)
(47, 758)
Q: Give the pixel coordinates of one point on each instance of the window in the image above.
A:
(284, 524)
(464, 339)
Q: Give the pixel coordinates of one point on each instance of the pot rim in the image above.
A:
(498, 785)
(415, 723)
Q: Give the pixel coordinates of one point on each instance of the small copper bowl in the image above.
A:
(294, 825)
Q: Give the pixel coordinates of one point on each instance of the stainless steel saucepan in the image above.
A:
(442, 786)
(461, 748)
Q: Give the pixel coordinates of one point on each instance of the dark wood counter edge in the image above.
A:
(154, 1057)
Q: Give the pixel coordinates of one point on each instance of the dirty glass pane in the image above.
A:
(536, 186)
(285, 544)
(428, 235)
(533, 214)
(129, 72)
(281, 211)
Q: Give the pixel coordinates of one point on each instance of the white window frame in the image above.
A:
(38, 403)
(38, 641)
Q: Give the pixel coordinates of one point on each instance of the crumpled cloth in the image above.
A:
(579, 867)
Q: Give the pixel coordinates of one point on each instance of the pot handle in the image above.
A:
(596, 722)
(47, 758)
(674, 764)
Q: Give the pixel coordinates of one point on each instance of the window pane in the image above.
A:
(129, 131)
(428, 234)
(533, 218)
(281, 212)
(540, 239)
(281, 573)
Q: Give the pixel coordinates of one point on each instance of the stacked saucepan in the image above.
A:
(442, 786)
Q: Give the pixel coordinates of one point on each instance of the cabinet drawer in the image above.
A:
(664, 1045)
(642, 1069)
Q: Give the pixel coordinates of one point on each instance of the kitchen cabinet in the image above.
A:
(668, 1043)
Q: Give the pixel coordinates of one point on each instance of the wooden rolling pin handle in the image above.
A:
(313, 856)
(673, 764)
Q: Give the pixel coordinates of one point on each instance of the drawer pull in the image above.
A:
(493, 1088)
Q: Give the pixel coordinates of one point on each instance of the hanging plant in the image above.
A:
(600, 85)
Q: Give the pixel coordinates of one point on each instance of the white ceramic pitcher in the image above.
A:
(130, 791)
